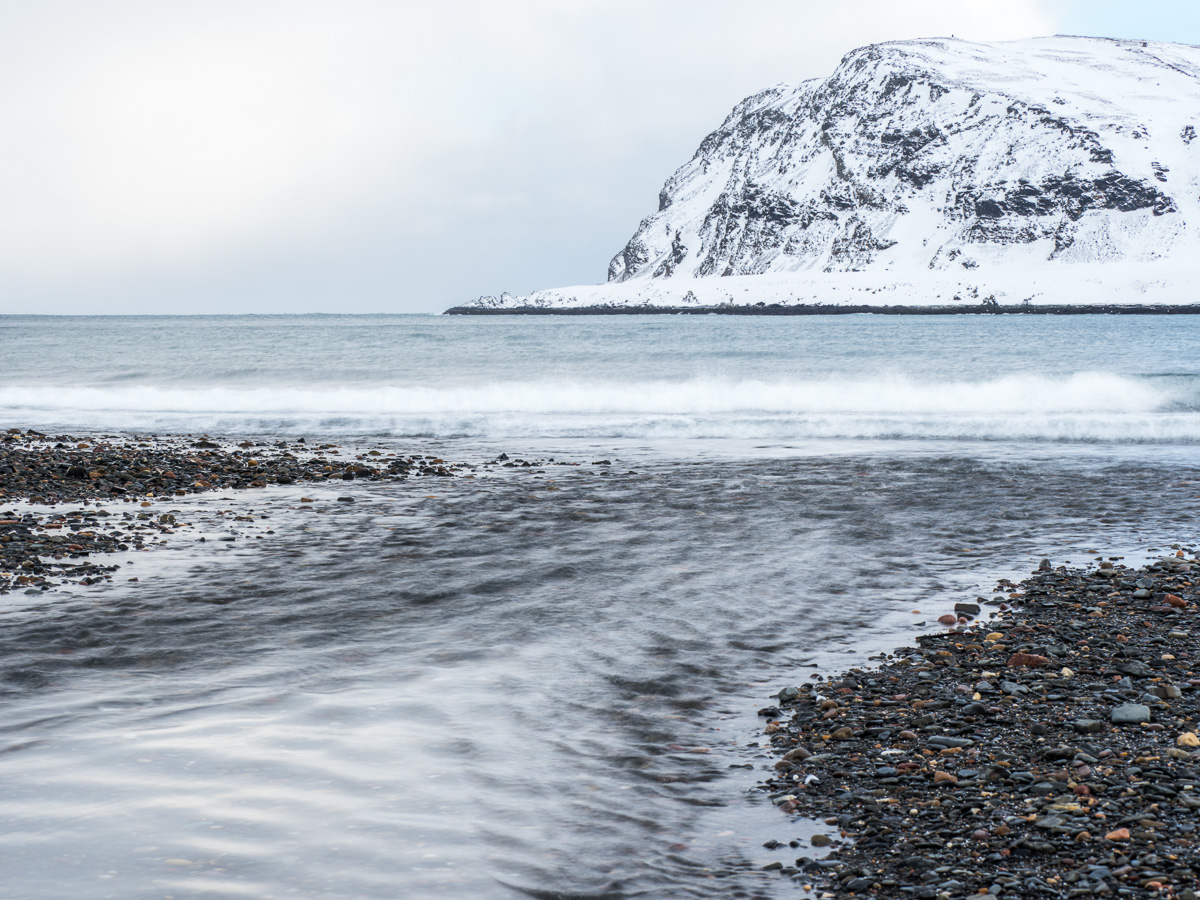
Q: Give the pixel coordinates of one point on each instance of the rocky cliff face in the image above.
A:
(942, 155)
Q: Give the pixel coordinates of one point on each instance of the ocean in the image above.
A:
(541, 680)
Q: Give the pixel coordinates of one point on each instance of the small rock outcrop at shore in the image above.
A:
(48, 469)
(38, 550)
(1046, 747)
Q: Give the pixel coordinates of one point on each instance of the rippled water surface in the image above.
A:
(541, 682)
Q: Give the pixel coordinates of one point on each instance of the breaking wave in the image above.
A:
(1081, 407)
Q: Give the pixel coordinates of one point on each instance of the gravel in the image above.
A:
(1048, 750)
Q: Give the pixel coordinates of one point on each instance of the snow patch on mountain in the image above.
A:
(1056, 170)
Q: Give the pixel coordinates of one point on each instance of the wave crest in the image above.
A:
(1082, 407)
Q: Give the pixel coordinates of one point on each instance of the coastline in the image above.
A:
(1048, 748)
(41, 550)
(1064, 618)
(817, 309)
(1032, 285)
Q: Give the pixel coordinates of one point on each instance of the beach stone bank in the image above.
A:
(1045, 745)
(39, 550)
(54, 469)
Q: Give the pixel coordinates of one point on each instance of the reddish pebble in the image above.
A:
(1121, 834)
(907, 736)
(940, 777)
(1082, 790)
(1173, 600)
(1032, 660)
(948, 619)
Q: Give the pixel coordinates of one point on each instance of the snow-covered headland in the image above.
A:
(939, 174)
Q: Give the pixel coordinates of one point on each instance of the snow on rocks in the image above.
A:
(932, 173)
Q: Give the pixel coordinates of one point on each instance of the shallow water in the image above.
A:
(464, 687)
(538, 682)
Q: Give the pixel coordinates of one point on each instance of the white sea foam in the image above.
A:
(1081, 407)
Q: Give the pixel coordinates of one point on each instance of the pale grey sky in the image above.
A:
(369, 156)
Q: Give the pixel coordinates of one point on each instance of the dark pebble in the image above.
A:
(1028, 791)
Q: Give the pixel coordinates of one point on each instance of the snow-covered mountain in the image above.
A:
(935, 171)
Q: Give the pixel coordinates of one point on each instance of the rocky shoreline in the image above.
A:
(1043, 745)
(41, 549)
(818, 309)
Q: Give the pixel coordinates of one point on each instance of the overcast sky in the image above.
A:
(361, 156)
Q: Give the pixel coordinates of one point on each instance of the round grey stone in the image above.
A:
(1130, 714)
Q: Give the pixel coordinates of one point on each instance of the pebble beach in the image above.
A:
(1044, 744)
(41, 549)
